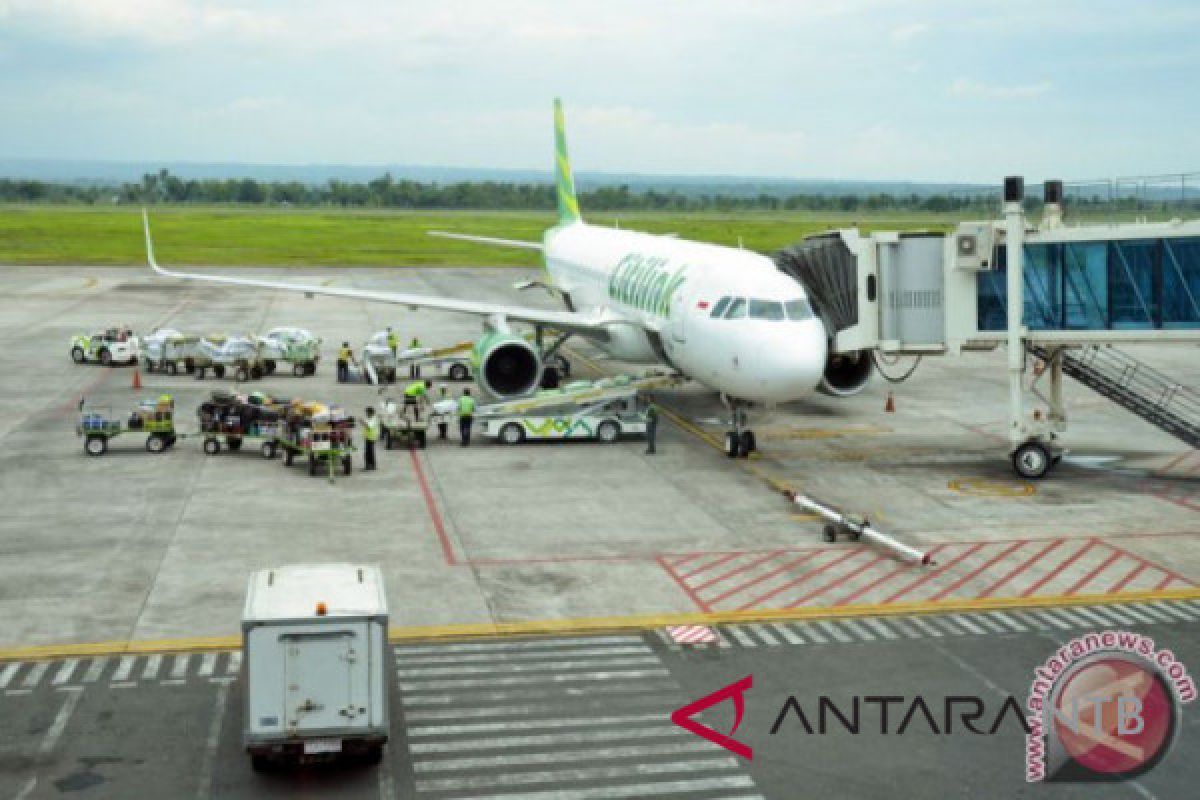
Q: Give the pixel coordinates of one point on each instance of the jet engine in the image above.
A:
(846, 374)
(506, 365)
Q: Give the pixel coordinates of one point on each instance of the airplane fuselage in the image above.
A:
(722, 316)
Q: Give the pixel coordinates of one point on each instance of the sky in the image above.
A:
(839, 89)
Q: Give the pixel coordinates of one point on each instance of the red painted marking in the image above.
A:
(884, 578)
(680, 560)
(1086, 579)
(765, 576)
(1136, 557)
(1165, 582)
(691, 634)
(1128, 579)
(1062, 565)
(928, 576)
(840, 580)
(709, 565)
(434, 515)
(804, 576)
(988, 592)
(743, 568)
(978, 570)
(692, 595)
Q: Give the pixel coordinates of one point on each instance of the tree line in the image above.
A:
(388, 192)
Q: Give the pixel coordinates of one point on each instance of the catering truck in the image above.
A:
(315, 645)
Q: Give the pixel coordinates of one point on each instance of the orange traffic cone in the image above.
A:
(137, 379)
(890, 406)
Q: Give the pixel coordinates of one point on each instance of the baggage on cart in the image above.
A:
(237, 418)
(317, 664)
(167, 350)
(238, 356)
(294, 346)
(319, 434)
(155, 418)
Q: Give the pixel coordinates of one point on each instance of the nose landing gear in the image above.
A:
(740, 442)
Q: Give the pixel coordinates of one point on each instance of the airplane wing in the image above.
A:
(469, 237)
(590, 326)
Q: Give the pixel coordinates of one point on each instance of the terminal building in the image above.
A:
(1080, 291)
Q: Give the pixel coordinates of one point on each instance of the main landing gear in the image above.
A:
(739, 442)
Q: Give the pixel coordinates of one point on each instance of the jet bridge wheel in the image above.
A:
(1032, 460)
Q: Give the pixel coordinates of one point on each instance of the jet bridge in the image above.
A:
(1076, 292)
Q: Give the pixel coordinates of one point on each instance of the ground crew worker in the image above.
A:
(651, 428)
(370, 437)
(466, 416)
(416, 395)
(414, 369)
(345, 357)
(443, 425)
(393, 341)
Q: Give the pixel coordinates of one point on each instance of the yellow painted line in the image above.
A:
(988, 488)
(90, 283)
(628, 623)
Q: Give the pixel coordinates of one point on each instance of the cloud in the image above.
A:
(967, 87)
(905, 33)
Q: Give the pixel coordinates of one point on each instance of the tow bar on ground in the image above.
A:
(858, 528)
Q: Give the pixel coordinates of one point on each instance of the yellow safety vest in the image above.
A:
(345, 354)
(393, 341)
(371, 429)
(466, 406)
(415, 389)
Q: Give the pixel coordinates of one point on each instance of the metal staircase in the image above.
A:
(1136, 386)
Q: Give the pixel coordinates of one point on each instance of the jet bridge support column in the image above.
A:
(1014, 217)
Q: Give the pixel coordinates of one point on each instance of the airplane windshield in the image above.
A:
(737, 309)
(798, 309)
(766, 309)
(719, 310)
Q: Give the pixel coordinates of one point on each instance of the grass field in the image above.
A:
(42, 235)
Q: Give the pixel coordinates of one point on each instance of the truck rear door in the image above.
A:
(326, 684)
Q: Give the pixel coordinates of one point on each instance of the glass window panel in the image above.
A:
(1043, 304)
(798, 309)
(1132, 277)
(722, 304)
(1085, 285)
(737, 309)
(1181, 283)
(766, 309)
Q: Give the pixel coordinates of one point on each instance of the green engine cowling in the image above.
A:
(506, 365)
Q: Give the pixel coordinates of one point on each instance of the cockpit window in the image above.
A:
(798, 309)
(766, 309)
(737, 309)
(719, 310)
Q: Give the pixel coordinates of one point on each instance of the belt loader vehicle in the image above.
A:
(603, 410)
(316, 664)
(453, 363)
(112, 346)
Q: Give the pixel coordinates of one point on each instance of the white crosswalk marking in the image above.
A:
(1154, 613)
(570, 722)
(6, 674)
(944, 624)
(987, 621)
(34, 676)
(785, 631)
(511, 646)
(834, 631)
(905, 627)
(124, 669)
(923, 624)
(208, 662)
(740, 636)
(95, 669)
(152, 665)
(1009, 621)
(856, 627)
(1045, 615)
(1112, 616)
(1175, 610)
(810, 632)
(180, 665)
(235, 662)
(65, 671)
(1138, 614)
(763, 633)
(964, 620)
(880, 627)
(1090, 616)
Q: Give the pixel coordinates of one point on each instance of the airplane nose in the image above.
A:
(795, 364)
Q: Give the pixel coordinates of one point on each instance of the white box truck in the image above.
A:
(315, 653)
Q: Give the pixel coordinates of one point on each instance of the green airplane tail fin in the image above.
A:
(568, 206)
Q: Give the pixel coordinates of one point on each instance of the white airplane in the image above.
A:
(724, 317)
